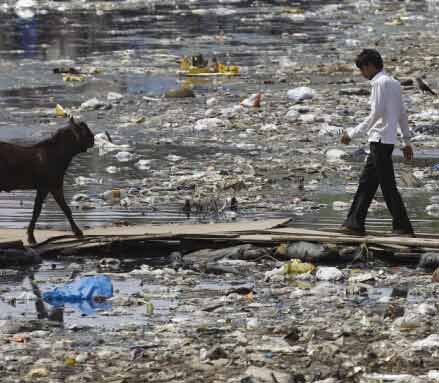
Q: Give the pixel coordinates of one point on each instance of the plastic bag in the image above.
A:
(296, 266)
(86, 288)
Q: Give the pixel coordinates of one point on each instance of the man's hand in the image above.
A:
(345, 139)
(408, 152)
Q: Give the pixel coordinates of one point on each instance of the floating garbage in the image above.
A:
(358, 155)
(125, 156)
(209, 124)
(60, 111)
(292, 115)
(296, 266)
(105, 145)
(305, 251)
(86, 294)
(300, 94)
(143, 164)
(183, 92)
(432, 210)
(429, 343)
(85, 288)
(94, 104)
(198, 66)
(334, 155)
(328, 274)
(73, 78)
(253, 101)
(113, 96)
(328, 130)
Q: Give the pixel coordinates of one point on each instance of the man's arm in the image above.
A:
(376, 112)
(404, 125)
(406, 135)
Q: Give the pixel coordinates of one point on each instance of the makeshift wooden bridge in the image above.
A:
(187, 237)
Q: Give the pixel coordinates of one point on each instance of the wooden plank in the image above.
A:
(398, 241)
(212, 228)
(382, 233)
(10, 235)
(301, 231)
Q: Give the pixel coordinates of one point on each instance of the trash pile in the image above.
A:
(238, 314)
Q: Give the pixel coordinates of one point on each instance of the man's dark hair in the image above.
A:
(369, 56)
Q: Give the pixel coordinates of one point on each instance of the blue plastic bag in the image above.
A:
(435, 167)
(86, 288)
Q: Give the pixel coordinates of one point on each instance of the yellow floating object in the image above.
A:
(73, 78)
(216, 69)
(139, 120)
(296, 11)
(69, 361)
(149, 308)
(395, 22)
(60, 111)
(296, 266)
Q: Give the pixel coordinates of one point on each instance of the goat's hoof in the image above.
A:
(78, 233)
(31, 240)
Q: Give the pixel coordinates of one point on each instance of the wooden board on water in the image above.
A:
(264, 232)
(8, 235)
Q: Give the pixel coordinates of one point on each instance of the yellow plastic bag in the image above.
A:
(188, 69)
(69, 361)
(282, 249)
(296, 266)
(60, 111)
(296, 11)
(73, 78)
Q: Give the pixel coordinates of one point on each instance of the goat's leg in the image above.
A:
(58, 194)
(39, 199)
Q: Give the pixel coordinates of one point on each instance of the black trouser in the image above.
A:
(378, 171)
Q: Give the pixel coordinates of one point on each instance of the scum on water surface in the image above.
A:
(136, 44)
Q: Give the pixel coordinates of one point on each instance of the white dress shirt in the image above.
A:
(387, 112)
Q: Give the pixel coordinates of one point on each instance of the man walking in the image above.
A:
(387, 113)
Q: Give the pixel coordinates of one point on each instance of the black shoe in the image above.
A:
(350, 231)
(403, 233)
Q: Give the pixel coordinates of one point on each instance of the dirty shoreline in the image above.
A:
(276, 313)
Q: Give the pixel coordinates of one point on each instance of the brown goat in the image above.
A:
(42, 167)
